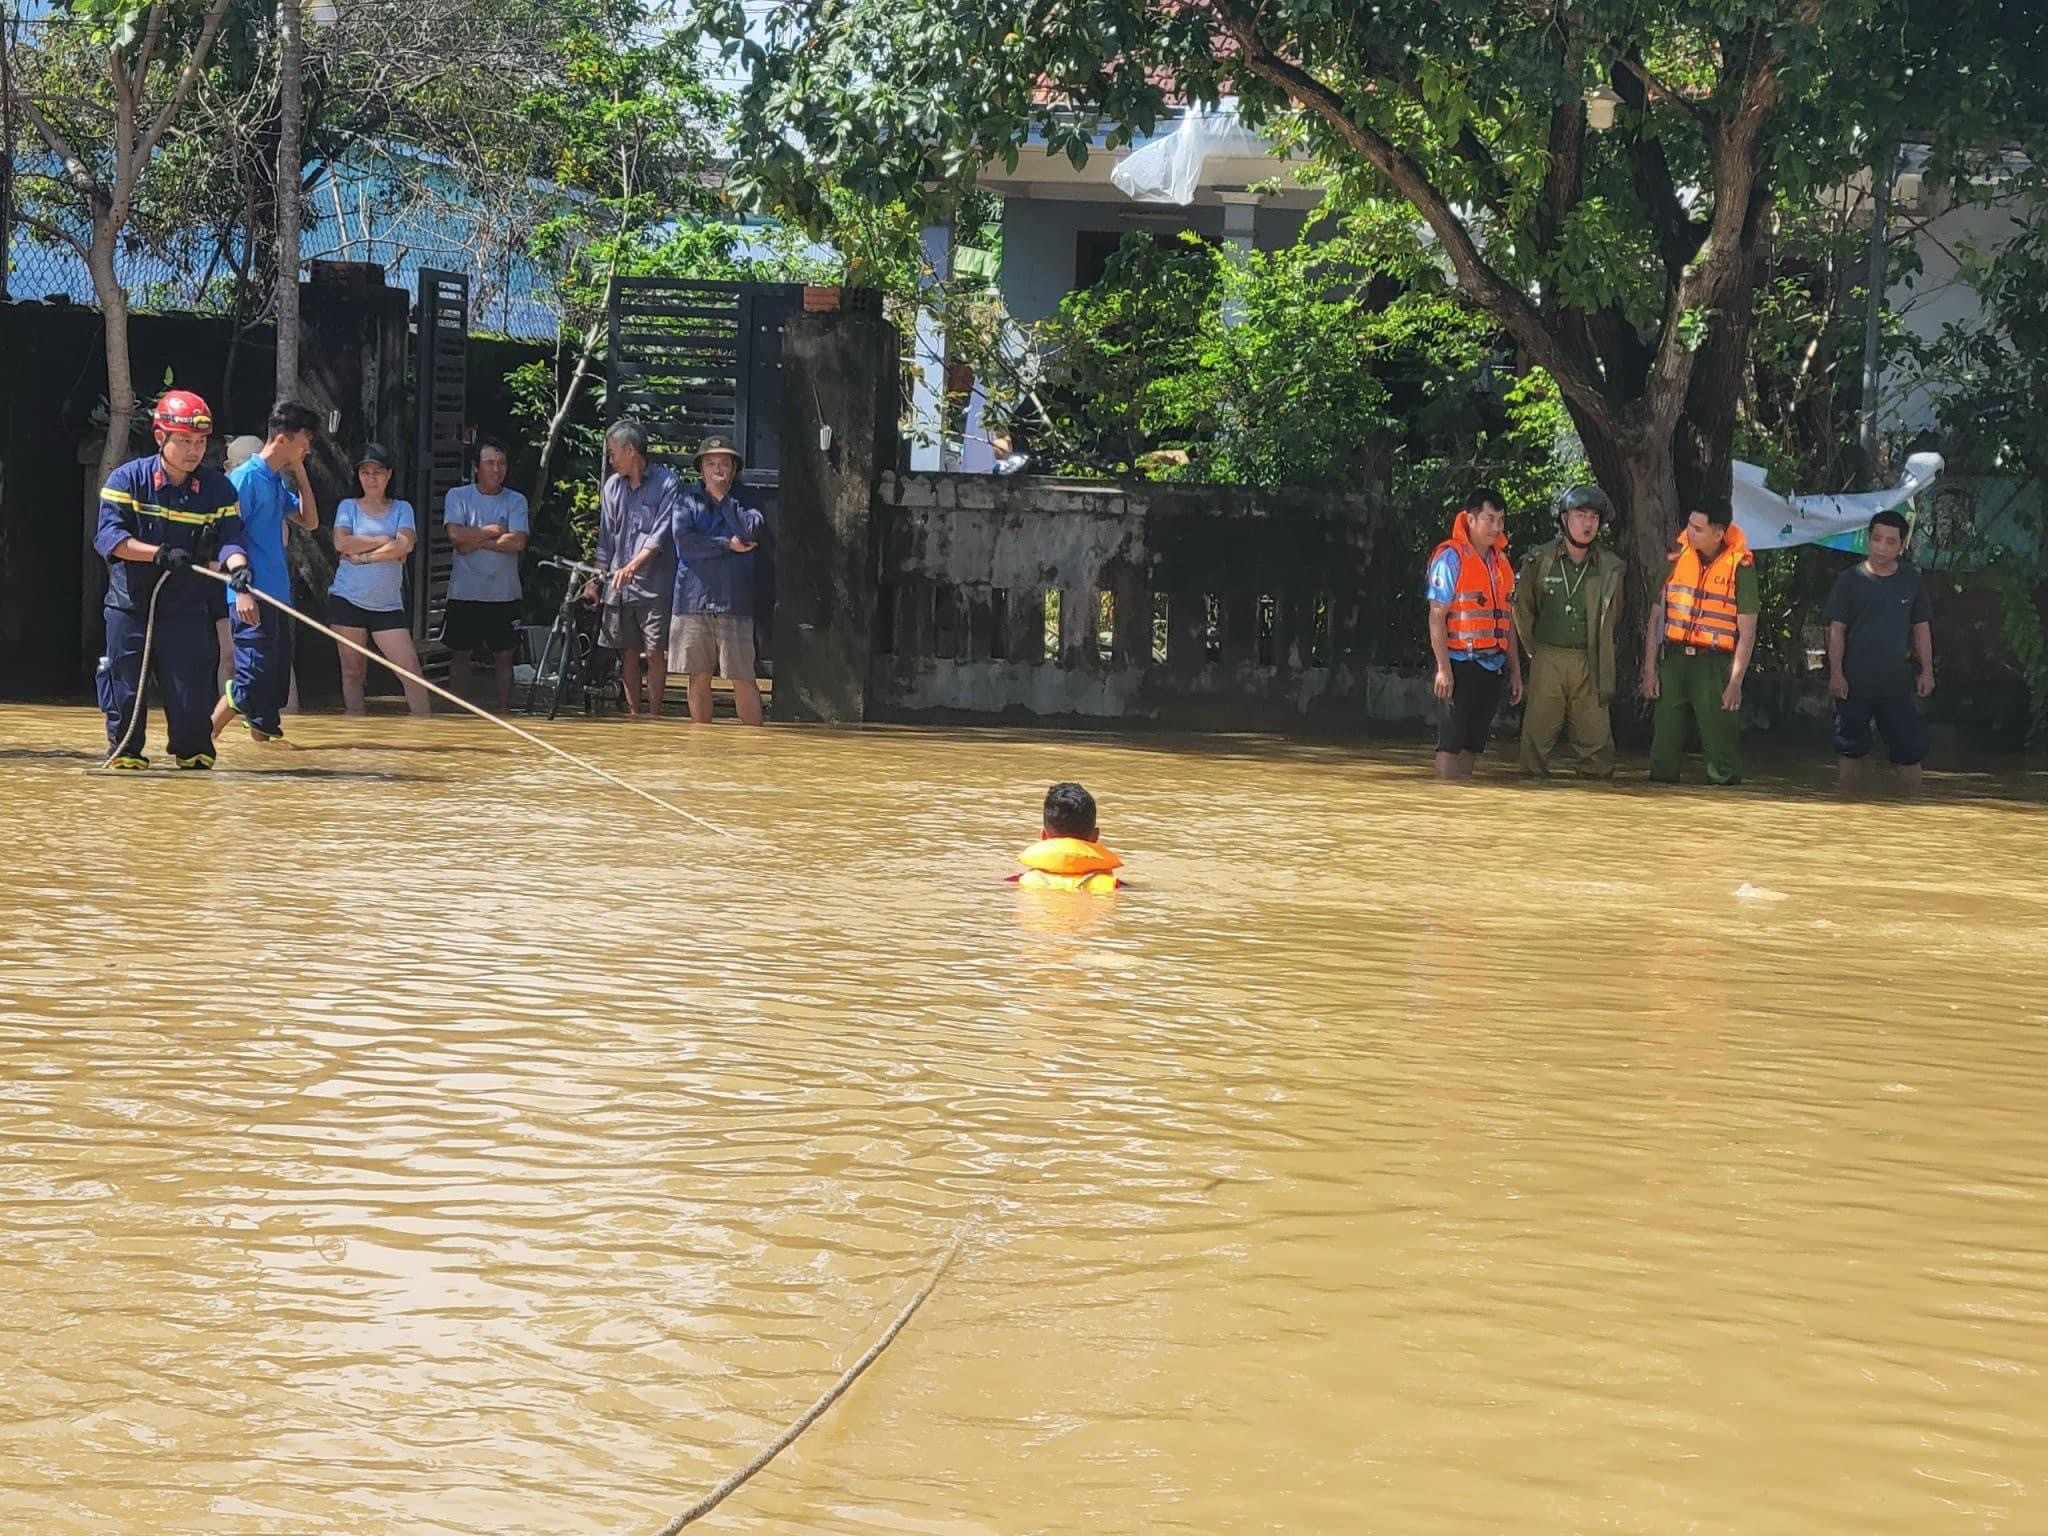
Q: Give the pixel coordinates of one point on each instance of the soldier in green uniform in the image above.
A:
(1567, 609)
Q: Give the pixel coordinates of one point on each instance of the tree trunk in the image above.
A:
(1705, 439)
(113, 302)
(1638, 468)
(286, 187)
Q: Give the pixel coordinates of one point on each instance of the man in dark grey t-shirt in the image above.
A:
(1878, 613)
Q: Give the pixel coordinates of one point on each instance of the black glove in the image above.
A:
(171, 558)
(238, 578)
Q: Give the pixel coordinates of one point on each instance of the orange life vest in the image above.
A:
(1699, 603)
(1481, 616)
(1068, 864)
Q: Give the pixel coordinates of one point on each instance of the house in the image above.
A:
(1061, 223)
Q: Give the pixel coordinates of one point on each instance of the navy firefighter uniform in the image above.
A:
(198, 514)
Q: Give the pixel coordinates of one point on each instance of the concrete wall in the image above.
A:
(1207, 607)
(1939, 296)
(1039, 235)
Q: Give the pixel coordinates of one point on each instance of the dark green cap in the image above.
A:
(718, 442)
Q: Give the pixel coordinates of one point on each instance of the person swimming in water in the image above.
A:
(1068, 855)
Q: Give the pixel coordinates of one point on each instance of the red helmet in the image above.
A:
(182, 411)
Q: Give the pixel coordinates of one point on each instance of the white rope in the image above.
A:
(816, 1411)
(462, 703)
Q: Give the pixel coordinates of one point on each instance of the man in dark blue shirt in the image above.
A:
(157, 516)
(1878, 612)
(714, 538)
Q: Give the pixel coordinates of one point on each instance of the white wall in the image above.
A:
(1936, 298)
(1038, 241)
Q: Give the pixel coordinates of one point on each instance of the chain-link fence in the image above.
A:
(198, 240)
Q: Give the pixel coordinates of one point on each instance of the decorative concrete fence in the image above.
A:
(1200, 606)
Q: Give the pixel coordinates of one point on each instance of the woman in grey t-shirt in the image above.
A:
(373, 535)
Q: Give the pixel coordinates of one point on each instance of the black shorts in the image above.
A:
(343, 614)
(1857, 722)
(1463, 720)
(472, 625)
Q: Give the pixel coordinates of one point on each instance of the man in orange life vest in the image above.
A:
(1471, 631)
(1707, 632)
(1069, 855)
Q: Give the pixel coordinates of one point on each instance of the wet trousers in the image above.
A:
(263, 668)
(1689, 692)
(1560, 701)
(185, 658)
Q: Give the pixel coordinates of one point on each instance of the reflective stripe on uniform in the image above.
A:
(168, 514)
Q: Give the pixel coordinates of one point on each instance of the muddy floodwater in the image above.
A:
(401, 1135)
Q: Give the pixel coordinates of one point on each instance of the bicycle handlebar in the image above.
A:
(574, 566)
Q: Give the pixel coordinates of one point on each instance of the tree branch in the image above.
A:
(76, 171)
(1508, 304)
(146, 56)
(1710, 283)
(1631, 64)
(195, 61)
(1493, 187)
(1678, 235)
(1567, 148)
(54, 231)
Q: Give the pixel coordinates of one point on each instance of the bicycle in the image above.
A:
(580, 665)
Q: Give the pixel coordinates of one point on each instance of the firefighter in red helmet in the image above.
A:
(159, 515)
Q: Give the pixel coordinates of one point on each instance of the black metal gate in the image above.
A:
(690, 358)
(440, 459)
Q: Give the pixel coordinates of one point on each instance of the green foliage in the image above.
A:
(1994, 409)
(1341, 363)
(1618, 261)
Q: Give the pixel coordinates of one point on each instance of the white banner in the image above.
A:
(1771, 521)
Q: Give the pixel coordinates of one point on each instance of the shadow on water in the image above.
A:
(46, 755)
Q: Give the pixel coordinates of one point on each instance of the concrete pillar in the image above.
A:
(838, 435)
(928, 388)
(1240, 226)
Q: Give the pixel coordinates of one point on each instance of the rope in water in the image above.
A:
(816, 1411)
(438, 691)
(135, 710)
(852, 1373)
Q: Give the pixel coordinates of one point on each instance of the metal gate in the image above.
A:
(440, 459)
(690, 358)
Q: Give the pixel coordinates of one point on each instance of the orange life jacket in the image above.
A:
(1699, 603)
(1068, 864)
(1481, 616)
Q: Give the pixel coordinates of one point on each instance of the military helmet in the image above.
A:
(1583, 497)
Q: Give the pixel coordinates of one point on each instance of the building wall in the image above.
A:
(1039, 236)
(1938, 296)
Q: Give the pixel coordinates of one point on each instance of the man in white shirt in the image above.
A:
(487, 524)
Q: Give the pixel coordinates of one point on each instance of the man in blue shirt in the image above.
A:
(157, 516)
(635, 513)
(1470, 585)
(487, 526)
(715, 535)
(273, 490)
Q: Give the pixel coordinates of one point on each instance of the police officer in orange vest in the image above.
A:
(1707, 632)
(1471, 631)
